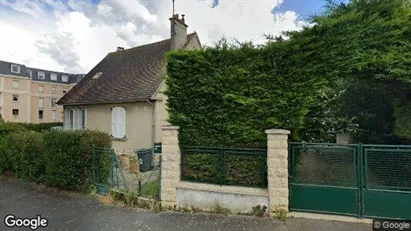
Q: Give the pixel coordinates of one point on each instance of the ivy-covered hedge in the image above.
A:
(60, 159)
(228, 95)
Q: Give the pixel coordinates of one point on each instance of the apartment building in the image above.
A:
(30, 95)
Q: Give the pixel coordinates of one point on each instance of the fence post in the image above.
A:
(170, 166)
(277, 172)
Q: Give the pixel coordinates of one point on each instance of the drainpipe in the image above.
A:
(152, 126)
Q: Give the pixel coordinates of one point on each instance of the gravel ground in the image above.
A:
(70, 211)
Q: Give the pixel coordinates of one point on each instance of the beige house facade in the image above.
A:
(30, 95)
(124, 94)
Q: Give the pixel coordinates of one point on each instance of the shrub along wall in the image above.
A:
(40, 126)
(228, 95)
(60, 159)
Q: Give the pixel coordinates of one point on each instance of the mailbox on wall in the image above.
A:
(157, 148)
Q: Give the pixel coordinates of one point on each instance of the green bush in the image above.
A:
(40, 126)
(23, 153)
(6, 128)
(69, 159)
(226, 96)
(60, 159)
(235, 169)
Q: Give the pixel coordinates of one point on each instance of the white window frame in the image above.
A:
(83, 117)
(15, 101)
(118, 122)
(41, 75)
(53, 102)
(41, 88)
(41, 102)
(42, 110)
(15, 84)
(64, 78)
(30, 73)
(18, 111)
(13, 66)
(53, 77)
(71, 119)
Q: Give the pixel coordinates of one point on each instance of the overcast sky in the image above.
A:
(73, 36)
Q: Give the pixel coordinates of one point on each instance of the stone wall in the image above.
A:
(128, 160)
(238, 199)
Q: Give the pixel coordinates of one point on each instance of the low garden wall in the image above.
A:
(267, 186)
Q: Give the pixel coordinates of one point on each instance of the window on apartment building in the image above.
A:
(15, 98)
(30, 73)
(53, 77)
(41, 75)
(53, 102)
(14, 68)
(41, 114)
(15, 84)
(64, 78)
(118, 122)
(53, 90)
(15, 112)
(41, 103)
(41, 88)
(54, 115)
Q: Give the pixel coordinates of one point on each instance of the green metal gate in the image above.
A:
(371, 181)
(324, 178)
(386, 192)
(107, 172)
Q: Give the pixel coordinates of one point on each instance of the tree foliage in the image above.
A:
(308, 83)
(229, 94)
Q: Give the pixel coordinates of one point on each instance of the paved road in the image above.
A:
(69, 211)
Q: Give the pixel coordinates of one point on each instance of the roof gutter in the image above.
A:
(110, 102)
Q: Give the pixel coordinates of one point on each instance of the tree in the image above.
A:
(367, 45)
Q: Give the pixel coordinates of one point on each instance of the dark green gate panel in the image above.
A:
(322, 199)
(387, 204)
(387, 181)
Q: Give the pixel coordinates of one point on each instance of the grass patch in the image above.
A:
(151, 189)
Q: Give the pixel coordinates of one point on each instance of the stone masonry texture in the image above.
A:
(170, 174)
(277, 163)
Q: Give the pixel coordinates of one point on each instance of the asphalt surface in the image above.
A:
(70, 211)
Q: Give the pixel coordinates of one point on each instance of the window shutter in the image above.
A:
(114, 122)
(84, 121)
(122, 122)
(78, 118)
(66, 119)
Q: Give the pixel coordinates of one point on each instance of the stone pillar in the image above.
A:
(277, 164)
(170, 165)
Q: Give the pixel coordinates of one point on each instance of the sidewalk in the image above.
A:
(69, 211)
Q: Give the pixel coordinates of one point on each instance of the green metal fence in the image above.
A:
(386, 189)
(107, 172)
(224, 166)
(372, 181)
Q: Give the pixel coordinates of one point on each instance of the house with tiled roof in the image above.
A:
(123, 94)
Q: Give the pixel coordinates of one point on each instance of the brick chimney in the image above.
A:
(178, 32)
